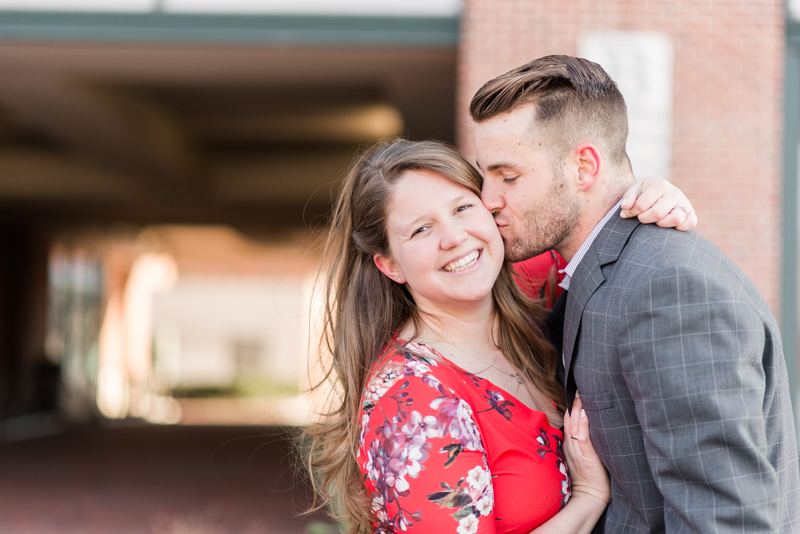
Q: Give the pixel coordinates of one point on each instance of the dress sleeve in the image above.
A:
(424, 462)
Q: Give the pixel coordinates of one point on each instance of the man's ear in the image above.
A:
(587, 161)
(387, 267)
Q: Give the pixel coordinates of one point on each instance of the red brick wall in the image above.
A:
(727, 123)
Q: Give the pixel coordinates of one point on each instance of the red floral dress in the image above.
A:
(444, 451)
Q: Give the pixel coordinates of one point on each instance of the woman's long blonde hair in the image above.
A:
(363, 309)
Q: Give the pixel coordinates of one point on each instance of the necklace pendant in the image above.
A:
(518, 378)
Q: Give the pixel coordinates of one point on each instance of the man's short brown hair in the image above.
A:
(576, 101)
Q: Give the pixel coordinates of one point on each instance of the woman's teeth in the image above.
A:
(464, 263)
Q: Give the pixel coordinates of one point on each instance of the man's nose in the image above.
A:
(491, 198)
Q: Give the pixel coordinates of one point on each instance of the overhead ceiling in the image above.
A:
(204, 133)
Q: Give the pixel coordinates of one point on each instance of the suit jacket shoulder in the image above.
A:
(653, 253)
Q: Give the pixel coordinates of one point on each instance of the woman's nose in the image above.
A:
(452, 236)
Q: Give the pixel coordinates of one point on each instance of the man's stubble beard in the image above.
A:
(546, 224)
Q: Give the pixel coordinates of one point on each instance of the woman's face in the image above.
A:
(443, 242)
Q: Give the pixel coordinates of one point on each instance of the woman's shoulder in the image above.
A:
(410, 385)
(406, 359)
(408, 365)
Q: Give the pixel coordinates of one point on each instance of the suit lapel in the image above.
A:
(605, 249)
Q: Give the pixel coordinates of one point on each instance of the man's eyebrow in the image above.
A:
(500, 165)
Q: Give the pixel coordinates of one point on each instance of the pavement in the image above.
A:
(148, 479)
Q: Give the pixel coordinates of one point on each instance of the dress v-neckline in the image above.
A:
(530, 414)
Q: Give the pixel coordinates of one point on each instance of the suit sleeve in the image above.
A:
(692, 357)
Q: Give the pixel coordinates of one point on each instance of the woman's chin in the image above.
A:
(474, 296)
(454, 300)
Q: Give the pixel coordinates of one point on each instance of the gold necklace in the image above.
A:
(516, 376)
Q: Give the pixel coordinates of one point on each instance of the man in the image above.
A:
(677, 358)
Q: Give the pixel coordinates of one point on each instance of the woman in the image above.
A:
(449, 414)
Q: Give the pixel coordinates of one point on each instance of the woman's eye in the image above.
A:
(509, 179)
(419, 230)
(462, 208)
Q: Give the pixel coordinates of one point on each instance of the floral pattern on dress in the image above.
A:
(555, 448)
(472, 498)
(499, 403)
(402, 446)
(395, 449)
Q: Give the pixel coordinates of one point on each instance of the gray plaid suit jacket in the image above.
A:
(680, 368)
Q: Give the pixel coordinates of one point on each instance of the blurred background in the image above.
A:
(166, 166)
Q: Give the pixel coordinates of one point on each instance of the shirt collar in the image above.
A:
(572, 266)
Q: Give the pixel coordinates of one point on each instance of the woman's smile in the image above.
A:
(463, 263)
